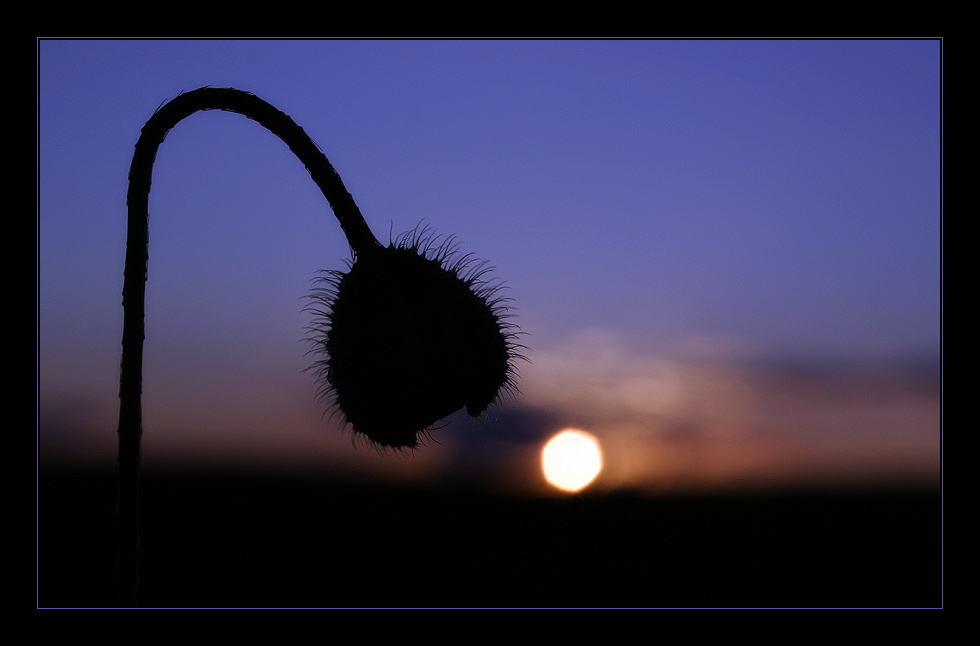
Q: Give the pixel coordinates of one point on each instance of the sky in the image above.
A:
(726, 255)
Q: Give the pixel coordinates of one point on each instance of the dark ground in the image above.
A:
(237, 540)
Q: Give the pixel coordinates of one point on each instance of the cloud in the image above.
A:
(594, 376)
(716, 417)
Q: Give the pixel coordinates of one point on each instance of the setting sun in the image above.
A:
(571, 460)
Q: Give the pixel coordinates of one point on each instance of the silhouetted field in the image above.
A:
(241, 540)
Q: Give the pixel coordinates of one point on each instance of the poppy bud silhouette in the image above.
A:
(410, 334)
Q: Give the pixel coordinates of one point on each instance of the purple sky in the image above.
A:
(652, 206)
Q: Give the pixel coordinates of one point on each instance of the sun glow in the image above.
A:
(571, 460)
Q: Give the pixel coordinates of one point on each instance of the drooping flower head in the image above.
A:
(407, 336)
(411, 333)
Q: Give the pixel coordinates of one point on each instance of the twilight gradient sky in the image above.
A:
(669, 215)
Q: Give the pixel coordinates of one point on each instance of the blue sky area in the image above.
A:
(668, 216)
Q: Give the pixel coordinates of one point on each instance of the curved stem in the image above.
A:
(358, 234)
